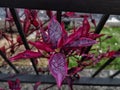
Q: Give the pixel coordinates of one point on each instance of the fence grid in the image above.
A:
(106, 7)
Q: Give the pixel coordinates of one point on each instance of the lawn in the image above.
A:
(113, 42)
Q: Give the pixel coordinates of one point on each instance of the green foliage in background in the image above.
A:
(113, 43)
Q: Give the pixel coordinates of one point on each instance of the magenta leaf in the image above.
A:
(74, 70)
(2, 89)
(58, 67)
(94, 35)
(34, 13)
(35, 23)
(45, 37)
(97, 59)
(25, 55)
(19, 40)
(36, 85)
(3, 49)
(41, 46)
(117, 54)
(86, 26)
(31, 18)
(8, 15)
(69, 14)
(82, 42)
(14, 85)
(54, 32)
(26, 25)
(64, 37)
(60, 43)
(49, 13)
(34, 18)
(64, 32)
(70, 82)
(111, 54)
(76, 35)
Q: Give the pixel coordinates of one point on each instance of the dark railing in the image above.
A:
(88, 6)
(106, 7)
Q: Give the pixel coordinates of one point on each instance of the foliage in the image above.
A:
(59, 46)
(113, 42)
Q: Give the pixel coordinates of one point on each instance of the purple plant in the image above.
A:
(14, 85)
(2, 89)
(58, 67)
(25, 55)
(56, 44)
(31, 18)
(60, 45)
(36, 85)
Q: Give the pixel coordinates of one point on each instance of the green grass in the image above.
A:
(113, 43)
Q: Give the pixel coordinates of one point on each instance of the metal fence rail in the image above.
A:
(48, 79)
(88, 6)
(106, 7)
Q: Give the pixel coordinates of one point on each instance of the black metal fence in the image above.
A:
(105, 7)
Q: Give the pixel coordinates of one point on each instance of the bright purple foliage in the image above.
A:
(41, 46)
(112, 54)
(2, 89)
(54, 32)
(82, 42)
(58, 45)
(49, 13)
(25, 55)
(31, 18)
(3, 49)
(36, 85)
(58, 67)
(74, 70)
(14, 85)
(69, 14)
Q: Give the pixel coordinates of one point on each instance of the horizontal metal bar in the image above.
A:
(48, 79)
(88, 6)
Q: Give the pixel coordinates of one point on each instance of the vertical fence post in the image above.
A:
(6, 60)
(19, 27)
(59, 14)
